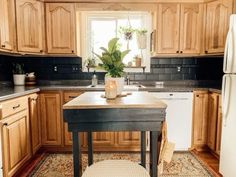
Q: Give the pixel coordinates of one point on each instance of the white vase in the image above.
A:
(119, 83)
(19, 79)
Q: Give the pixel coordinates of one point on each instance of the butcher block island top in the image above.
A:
(96, 100)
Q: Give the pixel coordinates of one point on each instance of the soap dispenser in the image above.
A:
(94, 79)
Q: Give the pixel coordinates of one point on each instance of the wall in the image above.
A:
(68, 68)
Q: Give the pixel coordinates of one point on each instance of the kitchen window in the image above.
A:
(97, 28)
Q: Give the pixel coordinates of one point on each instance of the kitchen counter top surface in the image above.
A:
(9, 92)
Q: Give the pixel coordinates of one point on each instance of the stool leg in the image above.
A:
(76, 154)
(143, 149)
(90, 148)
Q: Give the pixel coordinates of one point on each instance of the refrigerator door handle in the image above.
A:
(228, 54)
(225, 97)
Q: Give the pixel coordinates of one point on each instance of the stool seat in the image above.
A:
(115, 168)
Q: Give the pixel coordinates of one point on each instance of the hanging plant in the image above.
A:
(127, 32)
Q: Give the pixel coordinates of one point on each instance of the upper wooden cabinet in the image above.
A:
(30, 26)
(7, 25)
(179, 28)
(191, 24)
(168, 28)
(60, 25)
(217, 22)
(50, 106)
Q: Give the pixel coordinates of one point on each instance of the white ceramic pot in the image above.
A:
(142, 41)
(119, 83)
(19, 79)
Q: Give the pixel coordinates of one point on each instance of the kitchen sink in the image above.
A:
(133, 87)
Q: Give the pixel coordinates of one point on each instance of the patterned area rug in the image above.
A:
(183, 164)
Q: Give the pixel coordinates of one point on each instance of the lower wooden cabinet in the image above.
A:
(15, 141)
(129, 140)
(212, 120)
(51, 118)
(35, 122)
(200, 120)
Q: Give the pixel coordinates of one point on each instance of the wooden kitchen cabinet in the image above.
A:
(15, 141)
(129, 140)
(168, 28)
(51, 118)
(30, 26)
(35, 123)
(217, 23)
(219, 127)
(212, 120)
(191, 28)
(67, 135)
(7, 25)
(200, 120)
(179, 28)
(60, 25)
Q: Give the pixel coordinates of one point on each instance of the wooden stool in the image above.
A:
(115, 168)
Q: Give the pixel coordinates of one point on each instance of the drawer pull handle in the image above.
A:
(15, 107)
(5, 124)
(72, 96)
(3, 46)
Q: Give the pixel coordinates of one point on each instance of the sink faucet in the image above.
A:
(127, 80)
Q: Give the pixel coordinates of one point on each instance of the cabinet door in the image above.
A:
(7, 25)
(50, 104)
(212, 120)
(29, 25)
(35, 123)
(129, 140)
(200, 117)
(191, 23)
(103, 140)
(219, 127)
(168, 28)
(60, 21)
(16, 142)
(67, 135)
(217, 22)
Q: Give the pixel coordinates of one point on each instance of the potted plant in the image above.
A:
(18, 74)
(141, 38)
(127, 32)
(112, 62)
(138, 61)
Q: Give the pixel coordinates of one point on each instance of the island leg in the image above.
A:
(153, 153)
(76, 154)
(143, 149)
(90, 148)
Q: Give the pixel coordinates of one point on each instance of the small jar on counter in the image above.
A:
(110, 89)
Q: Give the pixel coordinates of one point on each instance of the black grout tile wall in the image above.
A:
(69, 68)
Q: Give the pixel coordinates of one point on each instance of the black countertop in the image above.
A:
(9, 92)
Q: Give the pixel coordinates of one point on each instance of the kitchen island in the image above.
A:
(90, 112)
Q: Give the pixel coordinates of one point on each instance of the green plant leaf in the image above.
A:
(124, 53)
(112, 45)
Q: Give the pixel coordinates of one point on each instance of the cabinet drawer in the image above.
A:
(71, 95)
(13, 106)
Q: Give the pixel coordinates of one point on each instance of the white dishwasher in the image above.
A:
(178, 117)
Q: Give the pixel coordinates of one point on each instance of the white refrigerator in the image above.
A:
(228, 140)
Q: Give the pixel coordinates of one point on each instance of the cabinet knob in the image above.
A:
(206, 51)
(5, 124)
(197, 95)
(41, 51)
(181, 51)
(177, 51)
(4, 46)
(72, 51)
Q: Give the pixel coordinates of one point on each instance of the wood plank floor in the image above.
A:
(209, 160)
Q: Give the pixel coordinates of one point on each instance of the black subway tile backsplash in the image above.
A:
(69, 68)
